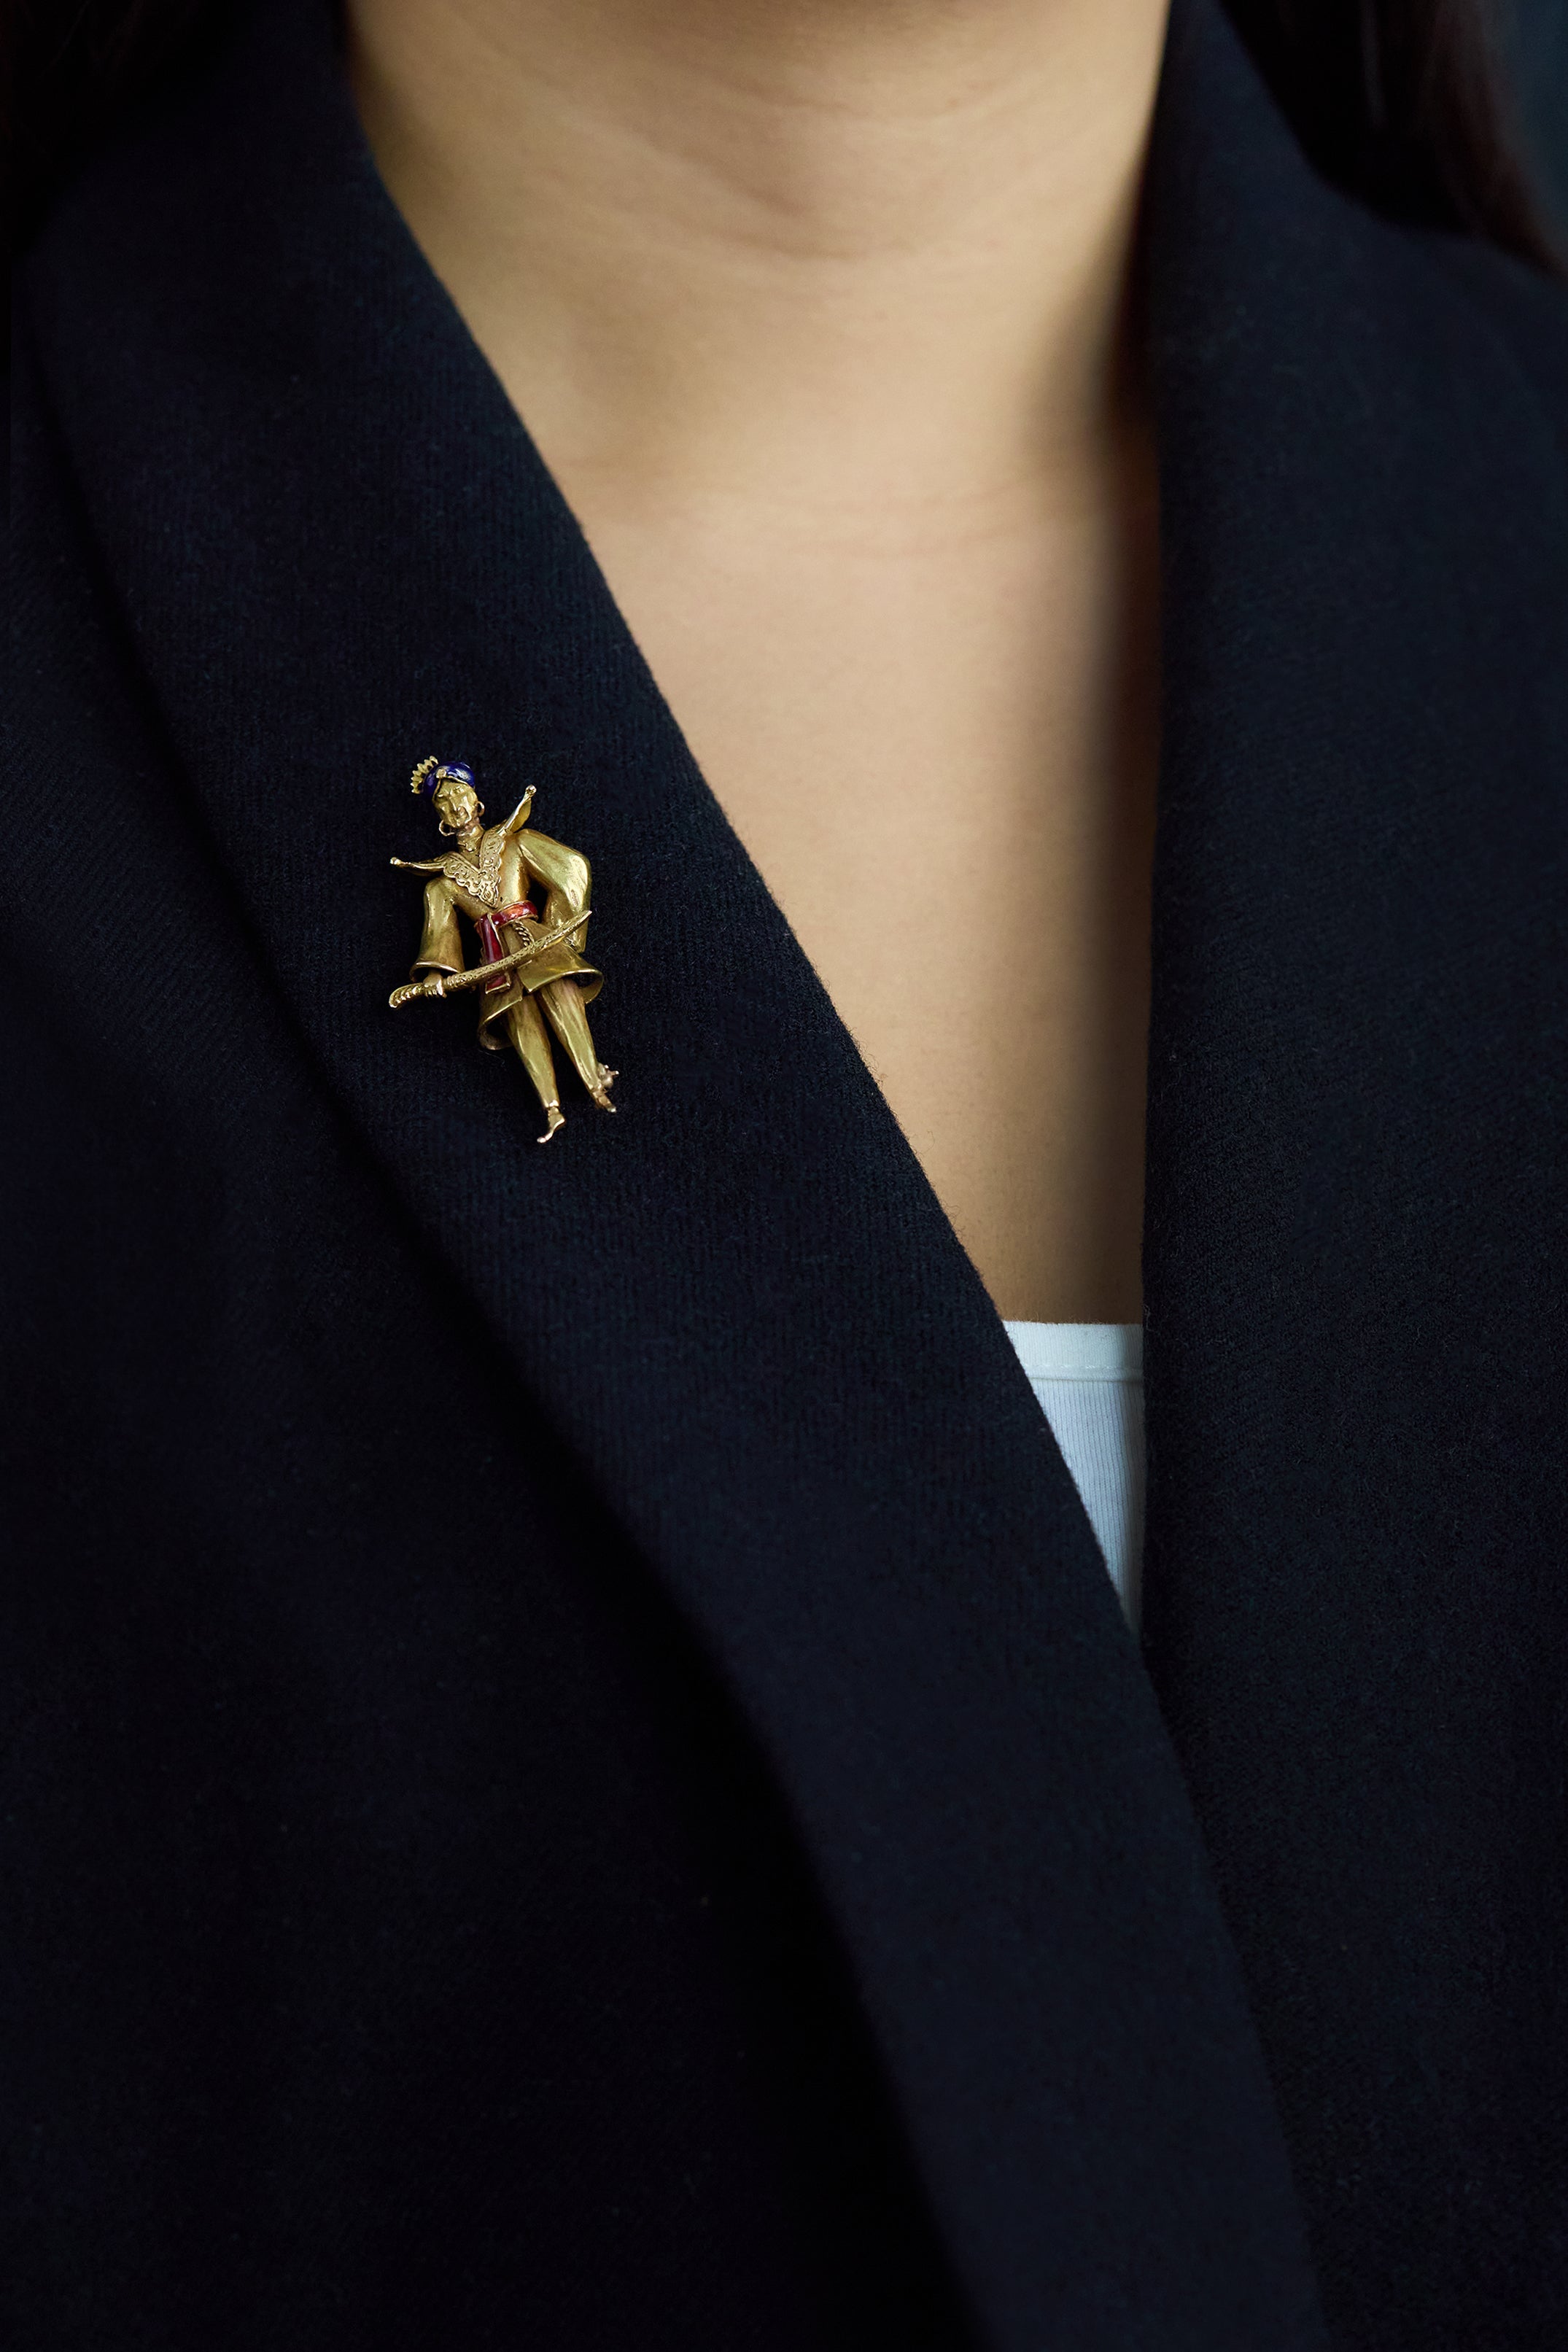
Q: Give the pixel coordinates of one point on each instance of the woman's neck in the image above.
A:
(690, 233)
(815, 310)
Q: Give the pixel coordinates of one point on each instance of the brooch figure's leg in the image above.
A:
(532, 1039)
(569, 1019)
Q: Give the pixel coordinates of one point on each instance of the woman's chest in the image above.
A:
(942, 762)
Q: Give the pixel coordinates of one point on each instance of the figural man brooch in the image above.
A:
(530, 971)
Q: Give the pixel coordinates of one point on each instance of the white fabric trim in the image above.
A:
(1079, 1351)
(1089, 1378)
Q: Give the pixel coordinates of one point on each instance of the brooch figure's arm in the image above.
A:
(563, 872)
(519, 816)
(419, 864)
(441, 947)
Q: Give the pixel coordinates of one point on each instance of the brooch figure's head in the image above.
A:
(449, 784)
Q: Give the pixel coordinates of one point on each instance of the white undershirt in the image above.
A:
(1088, 1378)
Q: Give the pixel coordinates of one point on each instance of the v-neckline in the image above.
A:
(738, 1305)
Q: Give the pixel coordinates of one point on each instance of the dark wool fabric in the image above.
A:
(577, 1780)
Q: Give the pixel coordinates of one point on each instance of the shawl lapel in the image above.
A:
(738, 1303)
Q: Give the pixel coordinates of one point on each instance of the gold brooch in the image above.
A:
(531, 975)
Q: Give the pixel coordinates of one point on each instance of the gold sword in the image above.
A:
(445, 984)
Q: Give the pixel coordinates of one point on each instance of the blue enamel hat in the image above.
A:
(431, 773)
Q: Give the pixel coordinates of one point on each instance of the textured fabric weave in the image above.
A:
(572, 1770)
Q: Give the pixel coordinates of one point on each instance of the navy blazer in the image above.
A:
(578, 1783)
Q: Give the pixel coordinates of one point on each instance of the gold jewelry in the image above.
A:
(532, 981)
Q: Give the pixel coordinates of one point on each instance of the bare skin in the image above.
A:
(817, 310)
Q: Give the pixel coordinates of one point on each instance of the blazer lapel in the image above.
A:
(1353, 1597)
(737, 1301)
